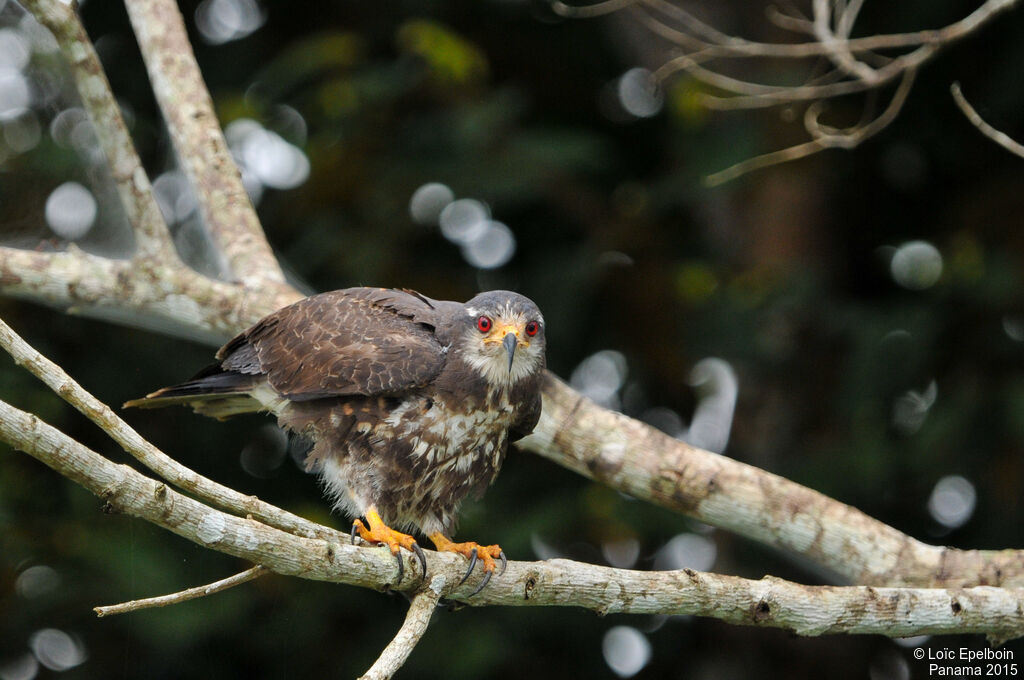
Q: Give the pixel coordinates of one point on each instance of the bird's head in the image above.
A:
(504, 340)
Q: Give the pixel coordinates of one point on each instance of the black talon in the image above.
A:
(504, 562)
(472, 563)
(423, 558)
(483, 583)
(353, 533)
(401, 567)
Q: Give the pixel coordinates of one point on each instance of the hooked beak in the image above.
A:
(509, 343)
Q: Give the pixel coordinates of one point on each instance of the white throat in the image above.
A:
(491, 362)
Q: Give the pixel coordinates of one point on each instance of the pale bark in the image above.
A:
(636, 459)
(772, 602)
(197, 137)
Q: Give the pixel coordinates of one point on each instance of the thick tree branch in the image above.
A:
(197, 137)
(805, 610)
(165, 296)
(630, 456)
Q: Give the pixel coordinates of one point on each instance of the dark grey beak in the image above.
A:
(509, 343)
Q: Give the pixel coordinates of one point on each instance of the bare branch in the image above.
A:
(202, 151)
(144, 292)
(156, 460)
(596, 10)
(154, 289)
(182, 596)
(421, 609)
(824, 137)
(805, 610)
(1001, 138)
(141, 209)
(647, 464)
(835, 43)
(856, 68)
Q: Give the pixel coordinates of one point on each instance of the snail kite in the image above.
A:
(410, 403)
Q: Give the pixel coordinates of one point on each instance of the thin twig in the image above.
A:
(1001, 138)
(824, 137)
(182, 596)
(837, 49)
(421, 609)
(587, 11)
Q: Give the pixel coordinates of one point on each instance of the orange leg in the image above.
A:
(473, 552)
(379, 532)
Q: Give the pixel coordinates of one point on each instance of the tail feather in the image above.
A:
(212, 392)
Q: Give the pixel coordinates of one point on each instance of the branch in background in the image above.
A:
(182, 596)
(825, 137)
(154, 289)
(197, 137)
(856, 65)
(805, 610)
(636, 459)
(152, 237)
(164, 296)
(1001, 138)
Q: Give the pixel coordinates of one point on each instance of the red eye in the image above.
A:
(483, 324)
(532, 328)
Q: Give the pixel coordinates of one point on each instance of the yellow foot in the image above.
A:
(473, 552)
(379, 532)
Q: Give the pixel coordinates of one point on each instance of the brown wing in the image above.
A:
(355, 341)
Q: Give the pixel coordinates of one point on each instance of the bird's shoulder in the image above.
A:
(346, 342)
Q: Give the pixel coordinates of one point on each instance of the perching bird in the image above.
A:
(410, 403)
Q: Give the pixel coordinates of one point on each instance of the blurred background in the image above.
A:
(853, 321)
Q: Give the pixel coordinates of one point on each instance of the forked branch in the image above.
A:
(854, 65)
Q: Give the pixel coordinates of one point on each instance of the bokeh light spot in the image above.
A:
(15, 50)
(24, 667)
(639, 93)
(686, 551)
(71, 210)
(36, 580)
(492, 247)
(621, 553)
(428, 202)
(56, 650)
(626, 650)
(265, 452)
(15, 95)
(916, 265)
(600, 376)
(221, 21)
(464, 220)
(952, 501)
